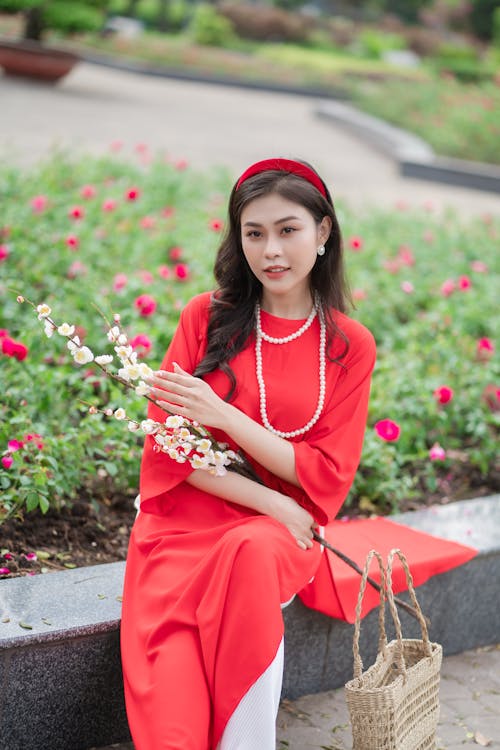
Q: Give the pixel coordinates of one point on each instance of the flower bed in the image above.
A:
(139, 239)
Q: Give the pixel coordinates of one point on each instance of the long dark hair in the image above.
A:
(232, 309)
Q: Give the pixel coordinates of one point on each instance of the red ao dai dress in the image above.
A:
(205, 578)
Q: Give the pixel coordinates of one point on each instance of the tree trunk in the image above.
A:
(132, 6)
(33, 24)
(163, 16)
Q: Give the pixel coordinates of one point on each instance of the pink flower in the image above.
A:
(119, 281)
(72, 241)
(109, 205)
(76, 212)
(164, 272)
(141, 148)
(464, 283)
(146, 277)
(407, 287)
(8, 556)
(437, 453)
(132, 194)
(143, 342)
(167, 212)
(145, 304)
(116, 146)
(4, 252)
(88, 191)
(392, 265)
(443, 394)
(181, 271)
(485, 348)
(14, 445)
(7, 462)
(77, 268)
(359, 294)
(216, 225)
(181, 164)
(356, 243)
(175, 253)
(3, 333)
(478, 266)
(387, 430)
(147, 222)
(4, 571)
(39, 203)
(31, 556)
(14, 349)
(406, 256)
(447, 287)
(428, 236)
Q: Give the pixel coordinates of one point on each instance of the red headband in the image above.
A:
(283, 165)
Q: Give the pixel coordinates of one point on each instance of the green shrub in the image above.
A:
(373, 43)
(209, 27)
(267, 23)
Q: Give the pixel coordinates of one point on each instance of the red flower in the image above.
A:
(4, 252)
(72, 241)
(491, 397)
(3, 333)
(39, 203)
(14, 445)
(443, 394)
(132, 194)
(168, 211)
(145, 304)
(147, 222)
(88, 191)
(387, 430)
(14, 349)
(7, 462)
(77, 268)
(181, 271)
(76, 212)
(485, 348)
(109, 205)
(356, 243)
(142, 342)
(175, 253)
(119, 281)
(464, 283)
(447, 287)
(216, 225)
(437, 453)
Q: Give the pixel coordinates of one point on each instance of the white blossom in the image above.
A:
(122, 373)
(43, 311)
(66, 330)
(122, 339)
(119, 413)
(123, 352)
(132, 372)
(145, 370)
(49, 329)
(174, 421)
(142, 389)
(133, 426)
(113, 334)
(104, 359)
(174, 454)
(199, 462)
(83, 355)
(149, 426)
(74, 344)
(204, 445)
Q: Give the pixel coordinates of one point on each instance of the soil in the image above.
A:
(91, 533)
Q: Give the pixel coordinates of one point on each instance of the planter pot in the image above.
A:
(33, 60)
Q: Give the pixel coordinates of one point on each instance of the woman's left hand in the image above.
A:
(181, 393)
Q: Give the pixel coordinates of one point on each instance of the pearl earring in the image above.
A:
(321, 250)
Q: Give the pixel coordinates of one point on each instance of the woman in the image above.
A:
(271, 365)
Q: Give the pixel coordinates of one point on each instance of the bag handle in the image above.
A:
(382, 639)
(392, 605)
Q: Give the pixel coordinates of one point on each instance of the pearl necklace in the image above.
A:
(260, 335)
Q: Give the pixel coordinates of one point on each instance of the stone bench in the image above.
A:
(61, 682)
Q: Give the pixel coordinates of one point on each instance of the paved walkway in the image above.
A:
(207, 124)
(470, 710)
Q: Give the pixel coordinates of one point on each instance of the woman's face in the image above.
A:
(280, 240)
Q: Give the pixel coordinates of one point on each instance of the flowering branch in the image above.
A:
(180, 438)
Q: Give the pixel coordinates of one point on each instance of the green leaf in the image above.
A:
(44, 504)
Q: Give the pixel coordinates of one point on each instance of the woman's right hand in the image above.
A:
(297, 520)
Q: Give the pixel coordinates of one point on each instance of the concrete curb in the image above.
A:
(414, 156)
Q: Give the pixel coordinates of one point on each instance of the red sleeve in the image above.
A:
(160, 473)
(327, 460)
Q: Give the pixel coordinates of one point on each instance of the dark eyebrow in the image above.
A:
(280, 221)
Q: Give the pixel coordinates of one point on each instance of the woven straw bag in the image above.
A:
(394, 704)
